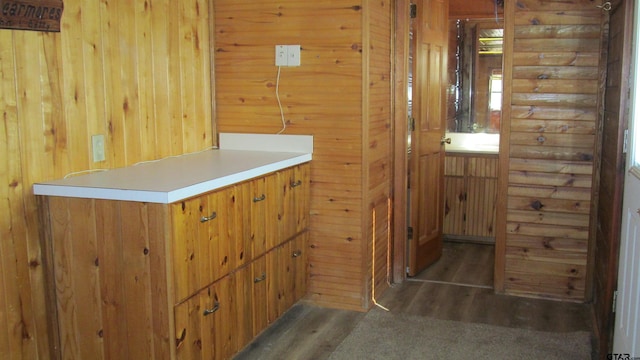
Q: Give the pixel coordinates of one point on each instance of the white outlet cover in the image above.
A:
(281, 55)
(97, 144)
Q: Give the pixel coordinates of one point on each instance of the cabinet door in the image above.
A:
(202, 237)
(203, 324)
(294, 213)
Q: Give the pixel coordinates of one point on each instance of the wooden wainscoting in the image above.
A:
(471, 182)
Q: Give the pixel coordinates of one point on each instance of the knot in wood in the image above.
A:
(537, 205)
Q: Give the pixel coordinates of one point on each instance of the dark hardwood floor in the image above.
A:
(452, 289)
(463, 264)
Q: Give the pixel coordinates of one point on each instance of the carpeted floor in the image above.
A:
(381, 335)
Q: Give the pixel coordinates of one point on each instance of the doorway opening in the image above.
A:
(472, 105)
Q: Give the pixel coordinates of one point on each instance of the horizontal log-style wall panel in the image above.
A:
(341, 95)
(136, 72)
(553, 92)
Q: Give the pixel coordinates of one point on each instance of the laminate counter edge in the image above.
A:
(178, 178)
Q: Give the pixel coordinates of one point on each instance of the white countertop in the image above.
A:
(477, 143)
(177, 178)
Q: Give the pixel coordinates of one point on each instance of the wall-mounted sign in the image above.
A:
(38, 15)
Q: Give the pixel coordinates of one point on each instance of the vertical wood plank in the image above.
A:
(136, 278)
(160, 261)
(63, 258)
(114, 297)
(145, 80)
(85, 286)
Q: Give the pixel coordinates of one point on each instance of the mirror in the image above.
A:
(475, 76)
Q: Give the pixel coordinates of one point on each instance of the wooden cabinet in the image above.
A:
(195, 279)
(470, 196)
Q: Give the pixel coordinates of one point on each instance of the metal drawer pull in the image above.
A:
(215, 308)
(258, 199)
(296, 184)
(261, 278)
(296, 253)
(210, 217)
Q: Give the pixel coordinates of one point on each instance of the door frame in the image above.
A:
(400, 131)
(631, 180)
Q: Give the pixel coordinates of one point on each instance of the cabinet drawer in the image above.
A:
(286, 275)
(262, 200)
(205, 243)
(294, 212)
(297, 256)
(204, 324)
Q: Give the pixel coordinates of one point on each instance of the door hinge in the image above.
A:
(615, 300)
(413, 11)
(412, 124)
(625, 141)
(410, 233)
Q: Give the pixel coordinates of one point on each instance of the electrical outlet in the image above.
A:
(97, 142)
(281, 55)
(287, 55)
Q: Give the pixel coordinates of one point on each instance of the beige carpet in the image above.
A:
(381, 335)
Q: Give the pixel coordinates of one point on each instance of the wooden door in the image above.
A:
(426, 165)
(626, 332)
(612, 170)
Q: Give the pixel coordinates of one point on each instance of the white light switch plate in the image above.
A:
(293, 52)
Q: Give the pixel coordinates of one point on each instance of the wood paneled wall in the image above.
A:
(341, 95)
(378, 142)
(137, 72)
(552, 79)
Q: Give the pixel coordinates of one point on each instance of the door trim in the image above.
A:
(400, 158)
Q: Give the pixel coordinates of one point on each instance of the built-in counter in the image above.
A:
(471, 178)
(240, 157)
(183, 258)
(479, 143)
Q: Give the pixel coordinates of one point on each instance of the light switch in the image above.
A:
(293, 53)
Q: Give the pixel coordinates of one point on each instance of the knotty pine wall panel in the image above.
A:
(379, 143)
(134, 71)
(341, 95)
(548, 153)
